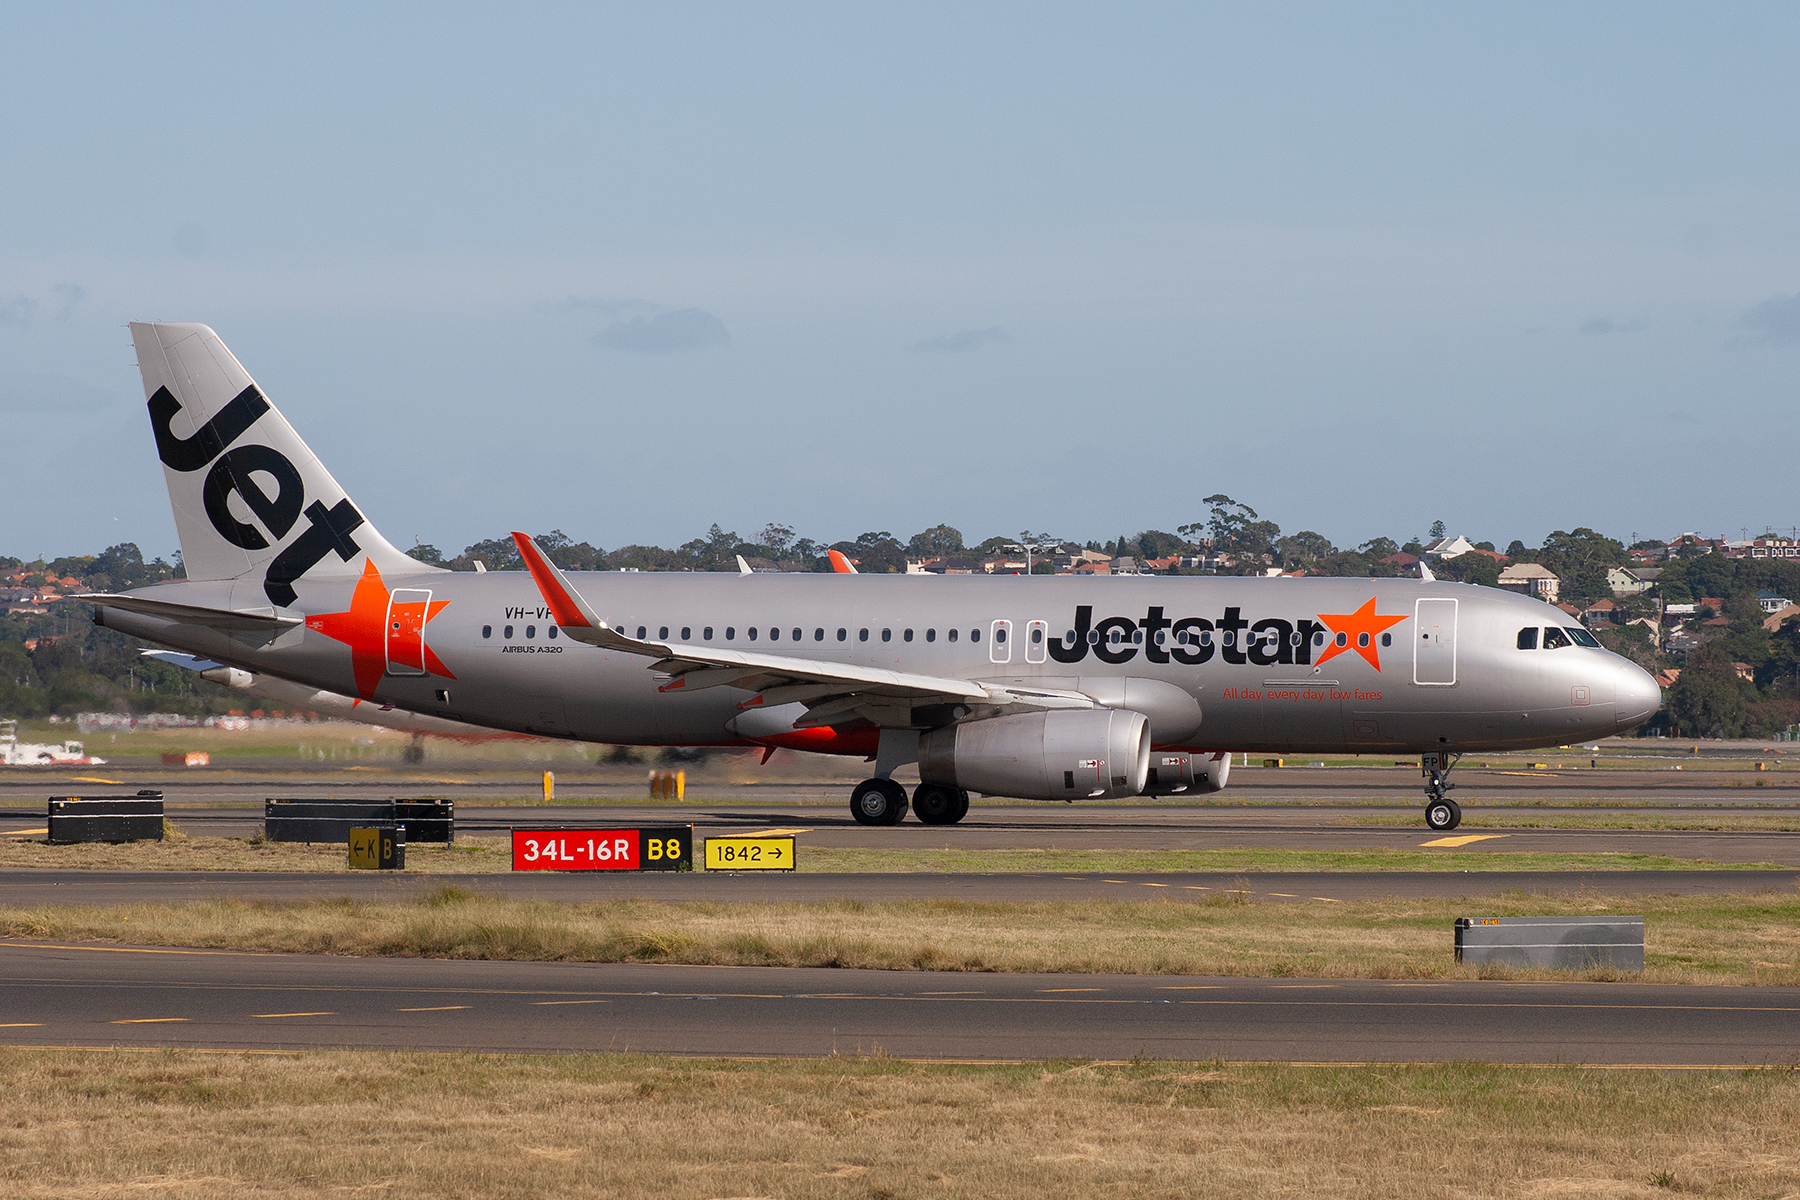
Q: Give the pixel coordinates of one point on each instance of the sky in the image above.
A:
(628, 270)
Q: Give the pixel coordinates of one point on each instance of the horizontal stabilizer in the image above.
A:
(224, 620)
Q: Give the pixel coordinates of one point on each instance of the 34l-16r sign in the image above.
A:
(667, 848)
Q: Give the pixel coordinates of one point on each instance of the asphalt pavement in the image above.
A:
(60, 995)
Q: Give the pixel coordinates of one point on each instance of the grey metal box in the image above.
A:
(292, 820)
(1560, 943)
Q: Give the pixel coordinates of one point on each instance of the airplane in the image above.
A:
(1035, 687)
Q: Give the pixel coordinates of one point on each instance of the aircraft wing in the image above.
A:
(832, 690)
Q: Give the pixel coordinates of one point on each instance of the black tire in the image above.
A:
(1443, 815)
(878, 802)
(936, 805)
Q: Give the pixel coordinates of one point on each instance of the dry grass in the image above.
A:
(194, 1127)
(480, 855)
(1742, 939)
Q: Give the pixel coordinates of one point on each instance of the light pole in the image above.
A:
(1027, 547)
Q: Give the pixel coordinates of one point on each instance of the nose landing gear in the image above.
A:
(1441, 812)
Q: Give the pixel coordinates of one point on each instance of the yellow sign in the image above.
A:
(750, 854)
(373, 849)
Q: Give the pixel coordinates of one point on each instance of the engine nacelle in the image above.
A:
(1178, 773)
(1061, 754)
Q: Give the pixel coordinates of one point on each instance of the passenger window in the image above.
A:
(687, 632)
(842, 634)
(774, 635)
(641, 632)
(952, 635)
(730, 633)
(1387, 639)
(887, 635)
(1554, 638)
(931, 635)
(1362, 640)
(1528, 638)
(553, 632)
(1205, 637)
(1294, 639)
(487, 631)
(1093, 637)
(507, 632)
(531, 631)
(1037, 635)
(907, 636)
(1582, 637)
(1000, 634)
(1137, 637)
(975, 635)
(751, 631)
(1343, 639)
(862, 635)
(798, 633)
(1318, 639)
(663, 633)
(818, 635)
(706, 634)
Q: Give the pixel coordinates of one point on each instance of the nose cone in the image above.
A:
(1638, 696)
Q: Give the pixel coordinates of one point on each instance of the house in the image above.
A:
(1125, 565)
(1004, 566)
(1094, 568)
(1781, 616)
(955, 566)
(1771, 601)
(1666, 679)
(1531, 579)
(1493, 554)
(1693, 543)
(1681, 641)
(1652, 626)
(1439, 549)
(1647, 555)
(1401, 559)
(1600, 612)
(1764, 547)
(1744, 671)
(1632, 581)
(1571, 610)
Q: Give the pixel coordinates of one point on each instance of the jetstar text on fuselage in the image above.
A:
(1231, 636)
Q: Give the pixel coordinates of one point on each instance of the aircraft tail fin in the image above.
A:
(251, 499)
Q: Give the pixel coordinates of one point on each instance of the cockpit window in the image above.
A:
(1528, 638)
(1554, 638)
(1582, 637)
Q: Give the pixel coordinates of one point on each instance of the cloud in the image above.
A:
(1774, 322)
(24, 392)
(665, 333)
(17, 311)
(962, 343)
(612, 309)
(1601, 326)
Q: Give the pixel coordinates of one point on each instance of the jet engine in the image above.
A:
(1178, 773)
(1061, 754)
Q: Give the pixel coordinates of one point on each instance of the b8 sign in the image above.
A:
(663, 849)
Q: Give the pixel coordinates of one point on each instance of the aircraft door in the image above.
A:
(1037, 641)
(1434, 643)
(406, 631)
(1000, 642)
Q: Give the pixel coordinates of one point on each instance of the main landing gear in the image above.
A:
(1441, 812)
(883, 802)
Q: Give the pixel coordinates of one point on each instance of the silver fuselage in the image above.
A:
(1450, 677)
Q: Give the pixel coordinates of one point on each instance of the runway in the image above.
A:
(1064, 827)
(32, 887)
(54, 995)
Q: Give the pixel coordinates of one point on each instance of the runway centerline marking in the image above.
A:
(1327, 900)
(1048, 991)
(1465, 839)
(454, 1007)
(27, 832)
(534, 1003)
(22, 1025)
(266, 1016)
(1283, 895)
(951, 993)
(150, 1021)
(1190, 987)
(1141, 882)
(766, 832)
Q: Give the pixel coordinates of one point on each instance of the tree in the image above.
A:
(940, 541)
(1305, 547)
(1438, 529)
(775, 539)
(1707, 699)
(1154, 543)
(1378, 548)
(425, 552)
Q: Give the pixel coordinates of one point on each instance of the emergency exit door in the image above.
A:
(1434, 643)
(406, 631)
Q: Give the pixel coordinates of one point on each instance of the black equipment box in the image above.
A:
(426, 819)
(136, 818)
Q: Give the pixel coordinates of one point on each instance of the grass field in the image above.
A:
(200, 1126)
(476, 854)
(1750, 938)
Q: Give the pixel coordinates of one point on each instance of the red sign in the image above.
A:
(575, 850)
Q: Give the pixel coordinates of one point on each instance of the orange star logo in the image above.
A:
(375, 627)
(1358, 631)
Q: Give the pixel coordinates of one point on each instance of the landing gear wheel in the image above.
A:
(1443, 815)
(878, 802)
(936, 805)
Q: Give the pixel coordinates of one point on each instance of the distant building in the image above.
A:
(1400, 559)
(1125, 565)
(1632, 581)
(1781, 616)
(1764, 547)
(1443, 548)
(1771, 601)
(1600, 612)
(1531, 579)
